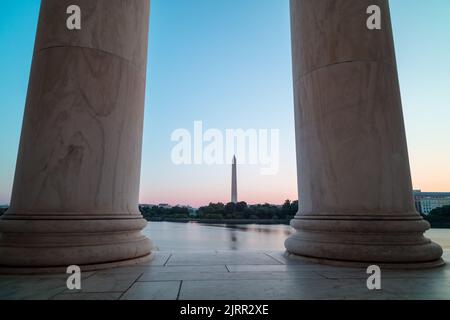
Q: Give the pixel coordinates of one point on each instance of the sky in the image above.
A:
(227, 63)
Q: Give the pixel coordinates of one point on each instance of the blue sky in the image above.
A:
(227, 63)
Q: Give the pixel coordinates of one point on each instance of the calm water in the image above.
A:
(169, 236)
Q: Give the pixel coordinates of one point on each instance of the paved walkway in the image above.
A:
(231, 275)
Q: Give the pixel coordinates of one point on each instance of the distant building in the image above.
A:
(165, 206)
(427, 201)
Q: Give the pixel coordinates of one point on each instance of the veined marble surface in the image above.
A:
(226, 275)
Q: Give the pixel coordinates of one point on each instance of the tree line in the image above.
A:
(439, 217)
(221, 211)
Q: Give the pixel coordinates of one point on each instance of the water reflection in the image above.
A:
(233, 240)
(169, 236)
(254, 228)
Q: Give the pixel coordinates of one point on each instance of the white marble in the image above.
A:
(116, 27)
(354, 181)
(76, 186)
(161, 290)
(234, 282)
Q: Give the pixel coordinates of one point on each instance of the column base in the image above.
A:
(390, 242)
(354, 264)
(47, 244)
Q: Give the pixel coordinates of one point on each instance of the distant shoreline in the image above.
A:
(434, 225)
(440, 226)
(224, 221)
(256, 221)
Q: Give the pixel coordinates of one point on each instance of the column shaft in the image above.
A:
(76, 187)
(355, 191)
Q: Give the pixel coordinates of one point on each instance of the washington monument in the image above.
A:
(234, 182)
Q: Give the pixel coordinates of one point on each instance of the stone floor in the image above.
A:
(231, 275)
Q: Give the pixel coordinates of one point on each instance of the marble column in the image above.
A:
(355, 193)
(76, 186)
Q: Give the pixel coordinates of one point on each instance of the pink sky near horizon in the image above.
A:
(428, 175)
(199, 185)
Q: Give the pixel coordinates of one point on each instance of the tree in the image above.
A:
(294, 207)
(214, 216)
(440, 212)
(211, 209)
(439, 217)
(229, 209)
(241, 206)
(240, 210)
(286, 209)
(286, 205)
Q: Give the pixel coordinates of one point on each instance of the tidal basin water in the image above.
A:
(170, 236)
